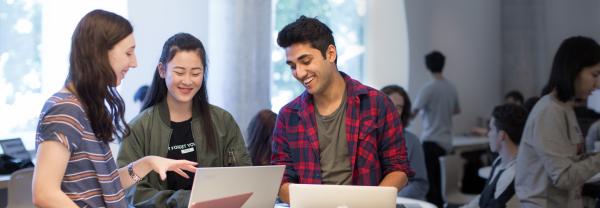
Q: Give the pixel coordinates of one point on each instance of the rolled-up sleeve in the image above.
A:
(393, 147)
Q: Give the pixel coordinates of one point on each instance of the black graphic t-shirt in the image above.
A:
(181, 147)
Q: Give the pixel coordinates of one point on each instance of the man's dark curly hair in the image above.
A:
(510, 118)
(307, 30)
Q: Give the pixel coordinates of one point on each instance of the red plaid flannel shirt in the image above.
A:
(373, 131)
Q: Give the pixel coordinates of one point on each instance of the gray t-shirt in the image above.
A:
(438, 102)
(335, 161)
(551, 164)
(418, 185)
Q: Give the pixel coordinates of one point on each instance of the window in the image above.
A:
(20, 66)
(34, 49)
(346, 20)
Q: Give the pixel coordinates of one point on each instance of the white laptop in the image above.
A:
(341, 196)
(260, 183)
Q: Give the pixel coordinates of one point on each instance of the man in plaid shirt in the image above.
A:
(338, 131)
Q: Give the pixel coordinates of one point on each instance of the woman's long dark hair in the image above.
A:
(92, 76)
(158, 89)
(260, 131)
(574, 54)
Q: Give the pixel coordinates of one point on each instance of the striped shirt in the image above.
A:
(91, 178)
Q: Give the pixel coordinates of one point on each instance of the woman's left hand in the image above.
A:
(161, 165)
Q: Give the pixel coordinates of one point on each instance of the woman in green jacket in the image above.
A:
(178, 122)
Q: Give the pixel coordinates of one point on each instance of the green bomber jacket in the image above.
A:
(150, 135)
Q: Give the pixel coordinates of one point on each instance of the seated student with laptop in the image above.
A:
(418, 185)
(338, 131)
(177, 122)
(506, 127)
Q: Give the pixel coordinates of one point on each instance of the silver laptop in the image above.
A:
(341, 196)
(225, 182)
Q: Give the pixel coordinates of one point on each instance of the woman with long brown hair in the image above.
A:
(75, 167)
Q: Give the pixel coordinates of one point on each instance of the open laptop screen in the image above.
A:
(221, 182)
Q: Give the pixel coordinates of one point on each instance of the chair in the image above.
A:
(451, 173)
(19, 188)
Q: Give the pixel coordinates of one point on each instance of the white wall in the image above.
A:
(564, 19)
(154, 22)
(531, 34)
(386, 44)
(468, 33)
(569, 18)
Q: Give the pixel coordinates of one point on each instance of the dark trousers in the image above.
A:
(471, 182)
(432, 153)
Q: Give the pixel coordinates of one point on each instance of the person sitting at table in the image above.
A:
(514, 97)
(178, 122)
(506, 127)
(418, 185)
(338, 131)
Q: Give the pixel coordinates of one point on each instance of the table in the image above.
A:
(469, 143)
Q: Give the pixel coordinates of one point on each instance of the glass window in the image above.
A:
(34, 53)
(346, 20)
(20, 66)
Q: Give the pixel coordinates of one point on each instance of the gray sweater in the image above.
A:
(418, 185)
(551, 163)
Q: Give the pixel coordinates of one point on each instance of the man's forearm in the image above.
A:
(396, 179)
(284, 192)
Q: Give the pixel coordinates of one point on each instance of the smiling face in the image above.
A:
(587, 81)
(309, 67)
(122, 57)
(183, 76)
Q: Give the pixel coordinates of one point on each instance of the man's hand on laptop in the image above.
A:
(396, 179)
(284, 192)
